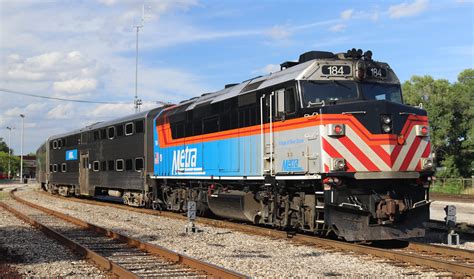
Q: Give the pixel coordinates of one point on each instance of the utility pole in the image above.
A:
(137, 102)
(21, 149)
(9, 149)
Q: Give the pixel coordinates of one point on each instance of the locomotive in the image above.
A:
(324, 146)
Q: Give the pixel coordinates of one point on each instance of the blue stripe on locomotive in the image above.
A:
(237, 156)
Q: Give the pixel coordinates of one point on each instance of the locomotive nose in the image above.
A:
(378, 116)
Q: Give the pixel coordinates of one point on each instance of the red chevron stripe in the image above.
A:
(333, 153)
(359, 154)
(410, 153)
(382, 154)
(427, 151)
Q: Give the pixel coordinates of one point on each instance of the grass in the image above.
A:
(450, 187)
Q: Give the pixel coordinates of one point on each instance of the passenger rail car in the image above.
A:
(325, 145)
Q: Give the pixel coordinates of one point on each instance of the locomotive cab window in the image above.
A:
(316, 92)
(63, 167)
(119, 165)
(129, 129)
(285, 102)
(111, 132)
(95, 165)
(382, 91)
(138, 164)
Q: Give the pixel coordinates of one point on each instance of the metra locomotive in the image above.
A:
(325, 145)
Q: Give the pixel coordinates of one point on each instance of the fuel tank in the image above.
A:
(237, 205)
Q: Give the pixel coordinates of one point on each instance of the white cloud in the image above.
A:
(50, 66)
(279, 32)
(75, 85)
(338, 27)
(407, 9)
(62, 111)
(347, 14)
(31, 110)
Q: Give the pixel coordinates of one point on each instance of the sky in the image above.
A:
(85, 50)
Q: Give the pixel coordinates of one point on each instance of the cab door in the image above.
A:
(290, 152)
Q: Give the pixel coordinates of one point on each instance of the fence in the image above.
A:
(453, 185)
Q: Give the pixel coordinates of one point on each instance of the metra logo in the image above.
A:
(185, 161)
(71, 155)
(291, 165)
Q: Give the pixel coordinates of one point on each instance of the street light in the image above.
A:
(21, 148)
(9, 148)
(137, 102)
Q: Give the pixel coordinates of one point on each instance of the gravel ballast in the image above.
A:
(33, 254)
(248, 254)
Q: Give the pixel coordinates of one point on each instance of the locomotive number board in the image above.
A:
(336, 70)
(376, 72)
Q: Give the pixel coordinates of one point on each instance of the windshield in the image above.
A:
(328, 91)
(380, 91)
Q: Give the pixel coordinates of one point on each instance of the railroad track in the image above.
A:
(118, 254)
(458, 262)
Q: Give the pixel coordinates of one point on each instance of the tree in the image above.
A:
(3, 146)
(450, 110)
(14, 163)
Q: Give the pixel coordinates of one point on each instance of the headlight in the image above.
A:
(386, 119)
(338, 164)
(427, 164)
(386, 128)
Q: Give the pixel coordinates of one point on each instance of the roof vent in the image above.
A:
(310, 55)
(230, 85)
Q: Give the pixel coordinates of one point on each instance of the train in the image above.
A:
(324, 146)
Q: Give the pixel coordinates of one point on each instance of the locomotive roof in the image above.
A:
(304, 69)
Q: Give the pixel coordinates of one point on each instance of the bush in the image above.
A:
(448, 186)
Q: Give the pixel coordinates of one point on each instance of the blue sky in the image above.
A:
(85, 49)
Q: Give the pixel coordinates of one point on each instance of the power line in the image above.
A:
(56, 98)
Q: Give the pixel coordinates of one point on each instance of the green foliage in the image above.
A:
(449, 187)
(14, 163)
(3, 146)
(450, 108)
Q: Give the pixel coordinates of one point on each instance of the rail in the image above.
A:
(106, 264)
(409, 254)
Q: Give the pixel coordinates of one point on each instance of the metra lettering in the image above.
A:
(291, 165)
(184, 161)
